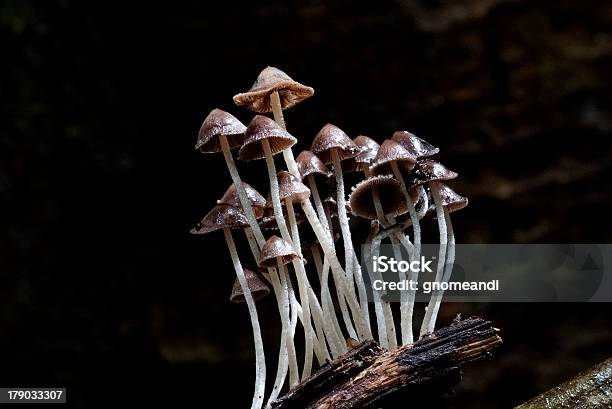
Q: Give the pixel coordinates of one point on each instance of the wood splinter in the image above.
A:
(366, 375)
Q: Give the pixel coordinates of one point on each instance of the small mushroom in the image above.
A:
(415, 145)
(258, 202)
(390, 194)
(309, 165)
(367, 152)
(332, 145)
(258, 287)
(224, 217)
(451, 202)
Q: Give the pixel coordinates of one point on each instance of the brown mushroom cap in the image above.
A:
(415, 145)
(331, 137)
(291, 188)
(259, 288)
(220, 217)
(309, 164)
(391, 151)
(268, 221)
(276, 247)
(389, 193)
(260, 128)
(269, 80)
(258, 202)
(428, 170)
(451, 200)
(219, 123)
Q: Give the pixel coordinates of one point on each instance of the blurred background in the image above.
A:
(102, 289)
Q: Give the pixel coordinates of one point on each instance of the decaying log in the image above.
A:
(590, 389)
(367, 375)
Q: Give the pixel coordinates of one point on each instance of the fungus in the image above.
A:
(225, 217)
(257, 201)
(258, 287)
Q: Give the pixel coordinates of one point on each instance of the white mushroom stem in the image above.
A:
(383, 337)
(349, 251)
(298, 263)
(405, 324)
(282, 297)
(386, 308)
(294, 375)
(428, 325)
(277, 109)
(303, 282)
(318, 204)
(260, 360)
(450, 261)
(416, 228)
(242, 195)
(425, 205)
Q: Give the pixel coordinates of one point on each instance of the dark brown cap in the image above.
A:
(258, 202)
(260, 128)
(451, 200)
(428, 170)
(389, 193)
(219, 123)
(291, 187)
(391, 151)
(415, 145)
(276, 247)
(367, 151)
(269, 80)
(220, 217)
(309, 164)
(331, 137)
(259, 288)
(268, 221)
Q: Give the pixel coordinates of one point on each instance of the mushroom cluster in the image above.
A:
(307, 210)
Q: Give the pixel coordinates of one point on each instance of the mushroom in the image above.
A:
(273, 91)
(310, 165)
(277, 253)
(431, 172)
(332, 145)
(451, 202)
(258, 287)
(257, 201)
(222, 132)
(418, 147)
(368, 148)
(225, 217)
(392, 158)
(374, 199)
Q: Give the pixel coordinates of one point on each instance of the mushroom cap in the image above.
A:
(272, 79)
(220, 217)
(276, 247)
(219, 123)
(291, 187)
(259, 288)
(428, 170)
(331, 137)
(391, 151)
(268, 221)
(389, 193)
(451, 200)
(258, 202)
(368, 148)
(308, 164)
(420, 148)
(260, 128)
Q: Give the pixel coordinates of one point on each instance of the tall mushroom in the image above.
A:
(451, 202)
(332, 145)
(227, 217)
(430, 172)
(258, 287)
(375, 198)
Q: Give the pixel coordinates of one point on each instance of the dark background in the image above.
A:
(103, 290)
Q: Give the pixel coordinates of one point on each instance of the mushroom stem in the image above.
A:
(319, 205)
(282, 296)
(450, 261)
(242, 195)
(416, 228)
(277, 109)
(429, 324)
(405, 324)
(349, 251)
(294, 376)
(425, 205)
(303, 283)
(298, 263)
(260, 360)
(383, 337)
(386, 307)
